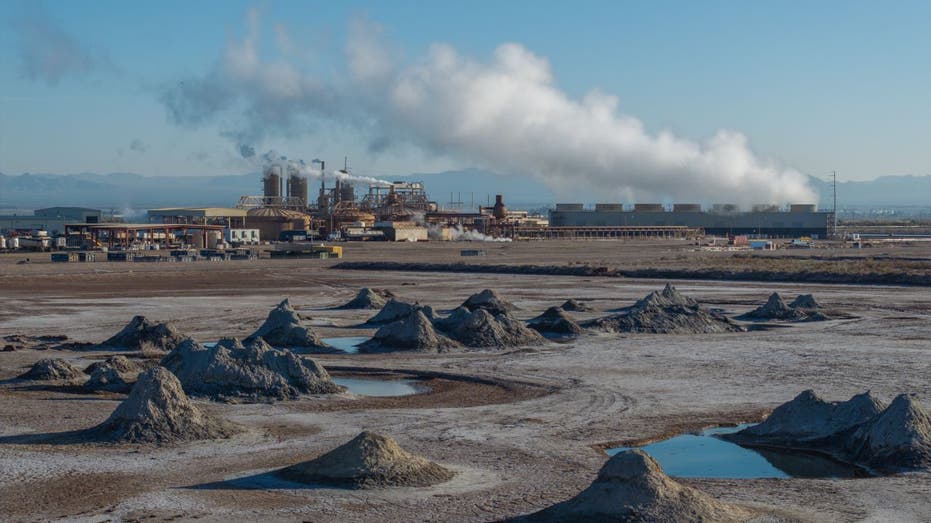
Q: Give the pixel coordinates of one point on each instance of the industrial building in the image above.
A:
(52, 219)
(722, 219)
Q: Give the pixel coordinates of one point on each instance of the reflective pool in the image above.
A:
(348, 344)
(703, 455)
(373, 387)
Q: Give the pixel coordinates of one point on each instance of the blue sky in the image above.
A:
(814, 86)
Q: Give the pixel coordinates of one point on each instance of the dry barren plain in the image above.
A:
(522, 428)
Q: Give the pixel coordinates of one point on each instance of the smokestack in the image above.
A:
(499, 211)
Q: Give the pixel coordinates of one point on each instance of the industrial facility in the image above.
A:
(764, 221)
(286, 220)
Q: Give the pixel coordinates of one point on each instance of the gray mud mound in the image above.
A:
(898, 439)
(482, 329)
(631, 487)
(555, 322)
(573, 305)
(369, 461)
(805, 301)
(490, 301)
(668, 297)
(368, 298)
(254, 371)
(118, 362)
(413, 333)
(143, 334)
(775, 308)
(808, 418)
(803, 308)
(666, 312)
(109, 379)
(396, 310)
(157, 411)
(283, 328)
(52, 370)
(114, 374)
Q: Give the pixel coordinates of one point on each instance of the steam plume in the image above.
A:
(505, 114)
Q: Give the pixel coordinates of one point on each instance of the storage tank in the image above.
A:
(648, 207)
(802, 207)
(686, 207)
(12, 243)
(609, 207)
(213, 239)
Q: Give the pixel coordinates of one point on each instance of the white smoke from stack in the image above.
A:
(505, 114)
(309, 170)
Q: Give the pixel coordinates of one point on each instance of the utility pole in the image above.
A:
(835, 202)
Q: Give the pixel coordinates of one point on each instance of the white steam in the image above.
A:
(461, 234)
(505, 114)
(309, 170)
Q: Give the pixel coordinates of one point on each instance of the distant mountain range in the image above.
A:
(127, 192)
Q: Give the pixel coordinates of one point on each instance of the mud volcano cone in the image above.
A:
(158, 411)
(573, 305)
(252, 371)
(396, 310)
(368, 298)
(666, 312)
(413, 333)
(556, 322)
(490, 301)
(775, 308)
(119, 363)
(809, 418)
(283, 328)
(631, 487)
(144, 334)
(481, 328)
(370, 460)
(805, 301)
(50, 369)
(898, 439)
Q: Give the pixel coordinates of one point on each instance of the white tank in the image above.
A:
(12, 243)
(213, 239)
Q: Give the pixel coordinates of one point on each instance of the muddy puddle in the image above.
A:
(703, 455)
(380, 388)
(347, 344)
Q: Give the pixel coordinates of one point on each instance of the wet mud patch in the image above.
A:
(441, 389)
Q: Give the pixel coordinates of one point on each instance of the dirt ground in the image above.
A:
(523, 428)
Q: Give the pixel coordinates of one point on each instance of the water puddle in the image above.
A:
(373, 387)
(347, 344)
(703, 455)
